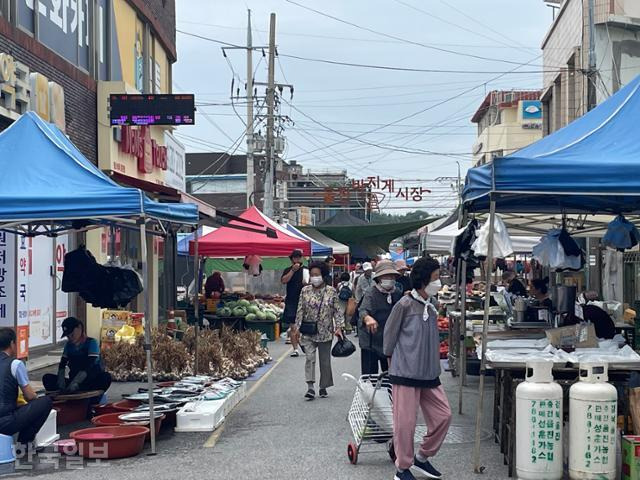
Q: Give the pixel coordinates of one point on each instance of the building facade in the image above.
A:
(590, 51)
(507, 121)
(61, 59)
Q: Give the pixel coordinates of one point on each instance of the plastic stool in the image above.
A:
(7, 453)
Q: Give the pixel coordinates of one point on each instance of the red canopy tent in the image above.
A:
(226, 242)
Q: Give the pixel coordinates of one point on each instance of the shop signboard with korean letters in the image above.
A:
(33, 288)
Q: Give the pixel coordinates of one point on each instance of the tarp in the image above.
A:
(589, 166)
(318, 249)
(185, 238)
(371, 238)
(227, 242)
(46, 178)
(440, 241)
(337, 247)
(344, 218)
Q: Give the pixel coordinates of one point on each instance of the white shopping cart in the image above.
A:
(371, 416)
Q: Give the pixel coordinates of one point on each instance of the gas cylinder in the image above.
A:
(539, 424)
(592, 424)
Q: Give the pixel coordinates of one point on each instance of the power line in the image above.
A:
(404, 40)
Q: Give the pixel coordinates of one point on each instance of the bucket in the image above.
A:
(6, 449)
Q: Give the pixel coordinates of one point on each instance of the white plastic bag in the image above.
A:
(502, 246)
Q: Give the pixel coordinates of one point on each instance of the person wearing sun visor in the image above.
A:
(82, 355)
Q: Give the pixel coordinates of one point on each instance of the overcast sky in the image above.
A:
(334, 102)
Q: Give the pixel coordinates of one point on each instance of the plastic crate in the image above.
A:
(268, 328)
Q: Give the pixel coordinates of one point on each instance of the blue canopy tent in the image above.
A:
(587, 168)
(49, 187)
(317, 249)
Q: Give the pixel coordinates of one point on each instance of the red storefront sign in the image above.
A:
(138, 142)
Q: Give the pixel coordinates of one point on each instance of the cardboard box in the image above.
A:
(580, 336)
(630, 457)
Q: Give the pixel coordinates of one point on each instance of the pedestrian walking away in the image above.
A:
(295, 278)
(319, 318)
(374, 311)
(412, 342)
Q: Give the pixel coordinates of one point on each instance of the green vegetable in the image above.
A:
(251, 317)
(253, 309)
(261, 315)
(243, 303)
(231, 305)
(224, 312)
(271, 317)
(239, 312)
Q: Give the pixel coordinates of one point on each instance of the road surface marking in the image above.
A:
(215, 436)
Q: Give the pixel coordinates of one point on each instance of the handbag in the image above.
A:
(343, 348)
(311, 328)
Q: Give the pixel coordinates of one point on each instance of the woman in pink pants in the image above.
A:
(411, 340)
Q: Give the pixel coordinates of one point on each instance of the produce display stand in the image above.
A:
(216, 322)
(587, 170)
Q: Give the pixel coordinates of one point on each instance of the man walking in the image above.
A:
(294, 277)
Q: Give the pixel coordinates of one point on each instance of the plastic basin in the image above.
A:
(106, 408)
(110, 442)
(112, 420)
(126, 405)
(71, 411)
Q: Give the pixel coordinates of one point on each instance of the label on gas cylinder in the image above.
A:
(599, 419)
(546, 430)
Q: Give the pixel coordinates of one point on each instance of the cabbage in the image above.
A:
(243, 303)
(271, 317)
(251, 317)
(239, 312)
(224, 312)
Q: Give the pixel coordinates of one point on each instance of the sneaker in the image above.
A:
(404, 475)
(311, 394)
(323, 393)
(426, 469)
(295, 353)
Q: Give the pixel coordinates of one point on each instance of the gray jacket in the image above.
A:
(413, 343)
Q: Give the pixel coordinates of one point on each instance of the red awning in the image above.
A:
(228, 242)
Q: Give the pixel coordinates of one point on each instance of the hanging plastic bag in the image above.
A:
(621, 234)
(552, 251)
(502, 246)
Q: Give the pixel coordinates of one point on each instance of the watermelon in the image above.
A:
(251, 317)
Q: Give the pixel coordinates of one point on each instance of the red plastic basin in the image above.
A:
(112, 420)
(126, 405)
(110, 442)
(71, 411)
(104, 409)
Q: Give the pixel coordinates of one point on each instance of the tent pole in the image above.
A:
(462, 352)
(54, 297)
(196, 299)
(147, 330)
(477, 468)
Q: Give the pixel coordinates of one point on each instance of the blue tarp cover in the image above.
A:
(317, 249)
(45, 177)
(591, 165)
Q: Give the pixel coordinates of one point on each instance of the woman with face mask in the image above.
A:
(318, 319)
(376, 306)
(411, 341)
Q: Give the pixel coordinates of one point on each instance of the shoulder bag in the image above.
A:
(311, 328)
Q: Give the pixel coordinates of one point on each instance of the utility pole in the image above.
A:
(591, 75)
(269, 185)
(249, 134)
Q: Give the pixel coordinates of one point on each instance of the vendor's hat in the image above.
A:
(69, 324)
(400, 265)
(296, 253)
(385, 267)
(367, 267)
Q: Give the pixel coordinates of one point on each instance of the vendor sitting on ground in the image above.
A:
(26, 420)
(513, 284)
(82, 355)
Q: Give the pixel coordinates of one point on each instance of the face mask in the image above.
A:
(388, 284)
(433, 288)
(316, 281)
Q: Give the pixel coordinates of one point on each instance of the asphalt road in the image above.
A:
(276, 434)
